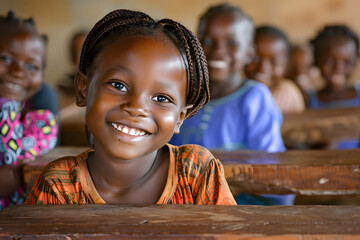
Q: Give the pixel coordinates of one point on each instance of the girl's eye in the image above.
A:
(232, 43)
(31, 66)
(119, 86)
(5, 59)
(206, 41)
(161, 98)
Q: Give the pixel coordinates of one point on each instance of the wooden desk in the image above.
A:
(304, 172)
(318, 127)
(179, 222)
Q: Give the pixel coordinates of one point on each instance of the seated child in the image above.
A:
(28, 135)
(242, 113)
(302, 70)
(269, 65)
(336, 52)
(139, 80)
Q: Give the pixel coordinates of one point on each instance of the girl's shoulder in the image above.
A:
(65, 166)
(190, 154)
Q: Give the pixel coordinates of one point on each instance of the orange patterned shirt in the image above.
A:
(194, 177)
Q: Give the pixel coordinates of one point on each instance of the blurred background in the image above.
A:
(60, 19)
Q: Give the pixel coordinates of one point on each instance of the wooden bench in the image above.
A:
(303, 172)
(318, 127)
(180, 222)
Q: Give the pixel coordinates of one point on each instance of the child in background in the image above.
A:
(336, 52)
(139, 80)
(242, 113)
(269, 66)
(27, 136)
(302, 70)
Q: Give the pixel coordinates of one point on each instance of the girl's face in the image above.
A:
(135, 96)
(22, 56)
(225, 40)
(270, 61)
(336, 61)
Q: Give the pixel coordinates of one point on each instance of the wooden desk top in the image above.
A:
(180, 221)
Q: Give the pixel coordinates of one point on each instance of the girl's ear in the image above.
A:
(181, 118)
(81, 88)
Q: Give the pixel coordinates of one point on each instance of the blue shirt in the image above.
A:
(246, 119)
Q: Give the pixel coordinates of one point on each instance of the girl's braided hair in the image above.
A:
(132, 23)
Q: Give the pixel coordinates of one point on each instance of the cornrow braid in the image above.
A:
(12, 19)
(198, 92)
(333, 31)
(132, 23)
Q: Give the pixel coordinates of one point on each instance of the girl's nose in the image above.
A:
(264, 66)
(219, 48)
(339, 66)
(16, 69)
(136, 106)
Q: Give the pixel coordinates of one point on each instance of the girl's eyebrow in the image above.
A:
(164, 84)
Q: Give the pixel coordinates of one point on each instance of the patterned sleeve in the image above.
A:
(43, 193)
(211, 186)
(30, 137)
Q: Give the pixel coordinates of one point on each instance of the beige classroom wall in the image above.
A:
(300, 19)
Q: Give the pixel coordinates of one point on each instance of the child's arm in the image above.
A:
(29, 138)
(264, 121)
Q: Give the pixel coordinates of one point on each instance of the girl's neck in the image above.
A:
(226, 87)
(113, 176)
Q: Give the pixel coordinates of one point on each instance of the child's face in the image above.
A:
(21, 64)
(337, 60)
(302, 59)
(225, 40)
(270, 61)
(135, 96)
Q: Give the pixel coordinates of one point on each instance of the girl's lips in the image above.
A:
(13, 86)
(128, 130)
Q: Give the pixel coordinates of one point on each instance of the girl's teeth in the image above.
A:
(126, 130)
(217, 64)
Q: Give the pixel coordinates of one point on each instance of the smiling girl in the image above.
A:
(139, 80)
(22, 63)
